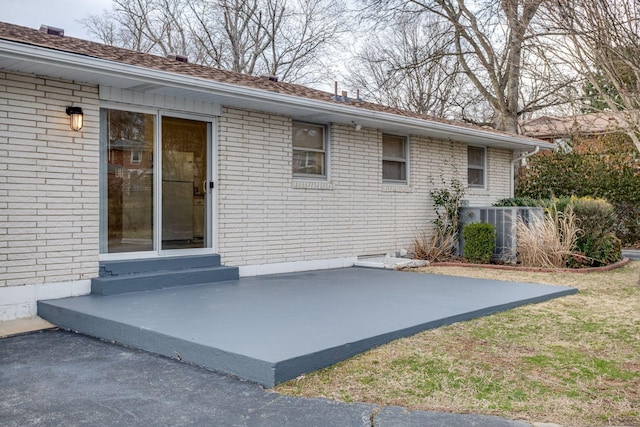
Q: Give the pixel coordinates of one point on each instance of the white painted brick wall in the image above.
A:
(265, 216)
(49, 194)
(498, 179)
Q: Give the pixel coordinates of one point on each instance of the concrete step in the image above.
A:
(136, 266)
(147, 281)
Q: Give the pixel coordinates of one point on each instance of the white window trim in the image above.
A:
(136, 157)
(327, 153)
(407, 144)
(483, 168)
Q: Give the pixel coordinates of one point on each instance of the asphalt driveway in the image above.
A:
(55, 378)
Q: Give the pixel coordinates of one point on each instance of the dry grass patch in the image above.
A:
(573, 360)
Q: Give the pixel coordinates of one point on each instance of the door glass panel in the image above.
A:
(129, 188)
(184, 172)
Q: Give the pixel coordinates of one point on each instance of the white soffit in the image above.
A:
(156, 100)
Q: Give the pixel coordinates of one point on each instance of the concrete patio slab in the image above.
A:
(269, 329)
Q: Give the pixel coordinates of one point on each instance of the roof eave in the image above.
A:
(92, 66)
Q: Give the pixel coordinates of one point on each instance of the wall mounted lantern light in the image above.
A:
(75, 118)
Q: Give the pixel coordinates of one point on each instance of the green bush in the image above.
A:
(605, 167)
(479, 241)
(518, 201)
(628, 221)
(595, 216)
(597, 242)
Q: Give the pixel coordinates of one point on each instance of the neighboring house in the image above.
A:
(594, 133)
(562, 130)
(180, 159)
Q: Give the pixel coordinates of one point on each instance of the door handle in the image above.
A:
(208, 185)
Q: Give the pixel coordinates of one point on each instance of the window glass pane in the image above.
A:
(394, 171)
(476, 156)
(128, 154)
(393, 146)
(308, 136)
(184, 171)
(476, 177)
(308, 162)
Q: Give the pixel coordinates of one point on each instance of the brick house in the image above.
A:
(597, 134)
(177, 159)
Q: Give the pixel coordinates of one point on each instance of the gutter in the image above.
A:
(102, 67)
(519, 159)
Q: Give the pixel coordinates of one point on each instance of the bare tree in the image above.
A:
(492, 42)
(142, 25)
(303, 43)
(600, 40)
(407, 66)
(286, 38)
(229, 34)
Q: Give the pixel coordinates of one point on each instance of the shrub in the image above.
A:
(549, 242)
(605, 167)
(441, 244)
(597, 242)
(628, 221)
(479, 241)
(518, 201)
(446, 206)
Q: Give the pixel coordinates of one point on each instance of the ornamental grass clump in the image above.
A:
(434, 247)
(549, 242)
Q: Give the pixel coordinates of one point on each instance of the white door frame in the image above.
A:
(211, 201)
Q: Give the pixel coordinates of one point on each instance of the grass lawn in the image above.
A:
(573, 360)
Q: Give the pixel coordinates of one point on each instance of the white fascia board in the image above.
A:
(106, 68)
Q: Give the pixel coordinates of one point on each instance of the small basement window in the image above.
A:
(394, 158)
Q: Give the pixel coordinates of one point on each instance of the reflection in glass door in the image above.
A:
(153, 182)
(184, 178)
(127, 174)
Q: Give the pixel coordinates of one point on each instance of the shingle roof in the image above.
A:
(87, 48)
(586, 124)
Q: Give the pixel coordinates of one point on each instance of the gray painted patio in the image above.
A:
(270, 329)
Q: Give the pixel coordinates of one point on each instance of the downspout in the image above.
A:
(519, 159)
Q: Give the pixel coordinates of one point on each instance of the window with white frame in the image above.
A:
(136, 157)
(309, 150)
(394, 158)
(476, 166)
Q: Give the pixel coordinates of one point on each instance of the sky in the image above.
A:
(56, 13)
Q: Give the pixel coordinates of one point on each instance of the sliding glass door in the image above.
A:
(155, 173)
(184, 178)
